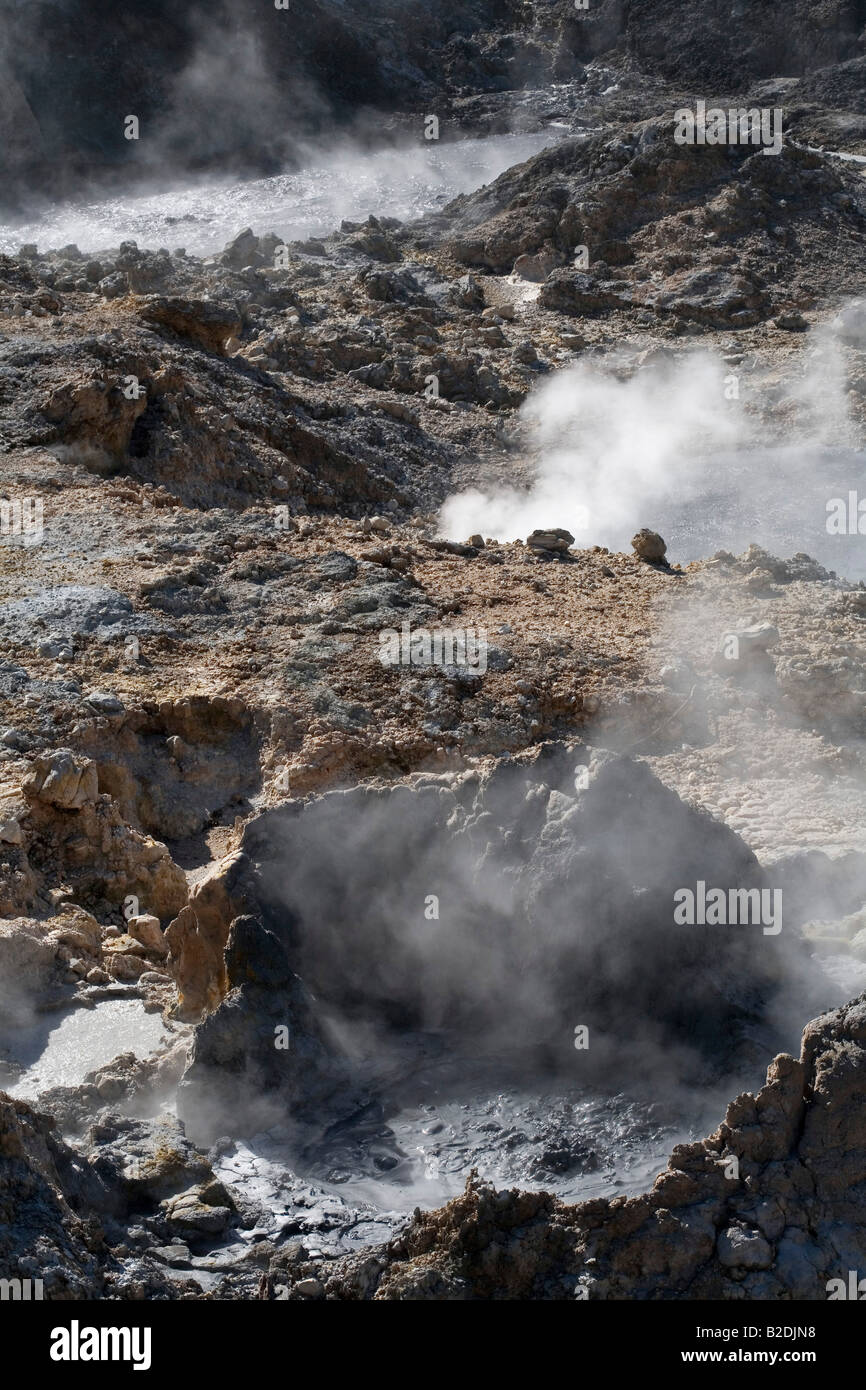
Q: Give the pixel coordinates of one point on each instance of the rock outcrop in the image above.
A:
(260, 1055)
(274, 85)
(197, 937)
(568, 874)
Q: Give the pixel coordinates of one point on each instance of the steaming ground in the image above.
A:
(444, 1121)
(715, 449)
(648, 439)
(406, 183)
(774, 498)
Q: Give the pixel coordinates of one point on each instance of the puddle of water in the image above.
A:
(60, 1049)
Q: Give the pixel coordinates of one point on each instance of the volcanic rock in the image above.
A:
(63, 780)
(648, 545)
(554, 541)
(261, 1052)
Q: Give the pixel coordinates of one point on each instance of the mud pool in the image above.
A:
(59, 1049)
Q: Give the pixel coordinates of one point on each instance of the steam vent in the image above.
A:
(433, 670)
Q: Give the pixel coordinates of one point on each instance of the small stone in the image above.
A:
(105, 701)
(171, 1254)
(524, 352)
(123, 945)
(792, 321)
(555, 540)
(14, 738)
(648, 545)
(11, 832)
(493, 336)
(147, 930)
(309, 1288)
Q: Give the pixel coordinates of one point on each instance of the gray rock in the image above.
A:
(177, 1255)
(189, 1212)
(309, 1288)
(795, 1269)
(554, 540)
(63, 779)
(741, 1249)
(105, 701)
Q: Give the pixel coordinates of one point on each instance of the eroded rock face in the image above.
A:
(63, 780)
(83, 841)
(75, 1217)
(770, 1206)
(41, 1235)
(208, 324)
(40, 958)
(197, 937)
(261, 1053)
(27, 965)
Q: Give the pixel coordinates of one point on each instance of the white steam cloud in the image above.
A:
(617, 448)
(608, 449)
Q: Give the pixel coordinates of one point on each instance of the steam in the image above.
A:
(609, 449)
(619, 447)
(503, 914)
(227, 104)
(337, 180)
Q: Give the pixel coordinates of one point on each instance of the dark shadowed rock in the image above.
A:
(260, 1056)
(207, 323)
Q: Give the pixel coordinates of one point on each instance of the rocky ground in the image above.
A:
(241, 461)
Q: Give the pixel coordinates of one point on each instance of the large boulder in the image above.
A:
(261, 1054)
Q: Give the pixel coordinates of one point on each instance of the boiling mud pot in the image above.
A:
(355, 1184)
